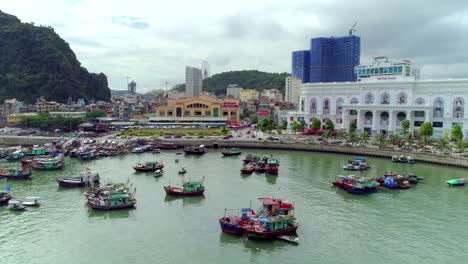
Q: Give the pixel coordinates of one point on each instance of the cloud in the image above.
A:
(120, 39)
(132, 22)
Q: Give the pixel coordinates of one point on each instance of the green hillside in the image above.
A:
(35, 61)
(251, 79)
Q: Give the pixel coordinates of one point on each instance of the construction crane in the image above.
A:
(353, 28)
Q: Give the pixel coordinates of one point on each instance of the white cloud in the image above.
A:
(152, 41)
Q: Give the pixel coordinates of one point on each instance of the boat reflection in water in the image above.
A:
(271, 179)
(115, 214)
(186, 200)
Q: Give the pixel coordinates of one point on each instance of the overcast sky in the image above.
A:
(152, 40)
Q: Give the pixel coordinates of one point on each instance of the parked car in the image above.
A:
(272, 138)
(167, 136)
(177, 136)
(200, 136)
(226, 137)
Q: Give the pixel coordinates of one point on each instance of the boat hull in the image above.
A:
(16, 177)
(356, 190)
(148, 169)
(179, 192)
(227, 154)
(261, 235)
(109, 207)
(189, 152)
(5, 198)
(231, 228)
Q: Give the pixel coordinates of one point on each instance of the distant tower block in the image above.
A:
(205, 67)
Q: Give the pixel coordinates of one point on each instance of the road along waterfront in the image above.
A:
(421, 224)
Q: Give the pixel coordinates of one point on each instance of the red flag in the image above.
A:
(253, 212)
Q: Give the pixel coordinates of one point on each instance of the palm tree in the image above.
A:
(342, 135)
(352, 137)
(393, 138)
(380, 139)
(365, 137)
(409, 139)
(461, 145)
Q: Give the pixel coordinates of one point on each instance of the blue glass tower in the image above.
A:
(331, 59)
(300, 65)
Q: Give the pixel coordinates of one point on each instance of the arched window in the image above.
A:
(354, 100)
(369, 98)
(402, 98)
(438, 107)
(368, 118)
(313, 106)
(385, 98)
(420, 101)
(384, 118)
(326, 106)
(339, 106)
(458, 107)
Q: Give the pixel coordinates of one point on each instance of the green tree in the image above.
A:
(329, 127)
(461, 145)
(302, 125)
(365, 137)
(353, 137)
(342, 135)
(352, 126)
(426, 131)
(284, 124)
(443, 144)
(457, 133)
(409, 139)
(405, 125)
(91, 115)
(316, 124)
(294, 126)
(394, 139)
(380, 139)
(254, 120)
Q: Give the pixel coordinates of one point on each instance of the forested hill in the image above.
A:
(251, 79)
(35, 61)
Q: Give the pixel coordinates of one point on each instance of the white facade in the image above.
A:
(381, 105)
(193, 81)
(233, 90)
(293, 90)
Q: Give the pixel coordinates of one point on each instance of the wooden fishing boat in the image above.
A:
(5, 196)
(15, 205)
(456, 182)
(195, 150)
(15, 155)
(112, 202)
(231, 152)
(250, 158)
(81, 180)
(234, 224)
(396, 181)
(191, 188)
(276, 218)
(138, 150)
(182, 171)
(14, 173)
(86, 154)
(48, 163)
(31, 201)
(272, 166)
(248, 169)
(356, 184)
(149, 166)
(260, 167)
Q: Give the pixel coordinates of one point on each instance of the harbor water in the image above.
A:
(424, 224)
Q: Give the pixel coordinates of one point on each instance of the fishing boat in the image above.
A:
(182, 171)
(15, 155)
(15, 205)
(110, 188)
(275, 219)
(249, 168)
(48, 163)
(86, 154)
(5, 195)
(235, 224)
(158, 173)
(358, 164)
(272, 166)
(32, 201)
(456, 182)
(81, 180)
(191, 188)
(403, 159)
(113, 201)
(231, 152)
(36, 151)
(149, 166)
(250, 158)
(15, 173)
(138, 150)
(356, 184)
(260, 166)
(195, 150)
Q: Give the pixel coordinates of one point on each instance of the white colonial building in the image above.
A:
(385, 95)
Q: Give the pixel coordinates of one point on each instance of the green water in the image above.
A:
(425, 224)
